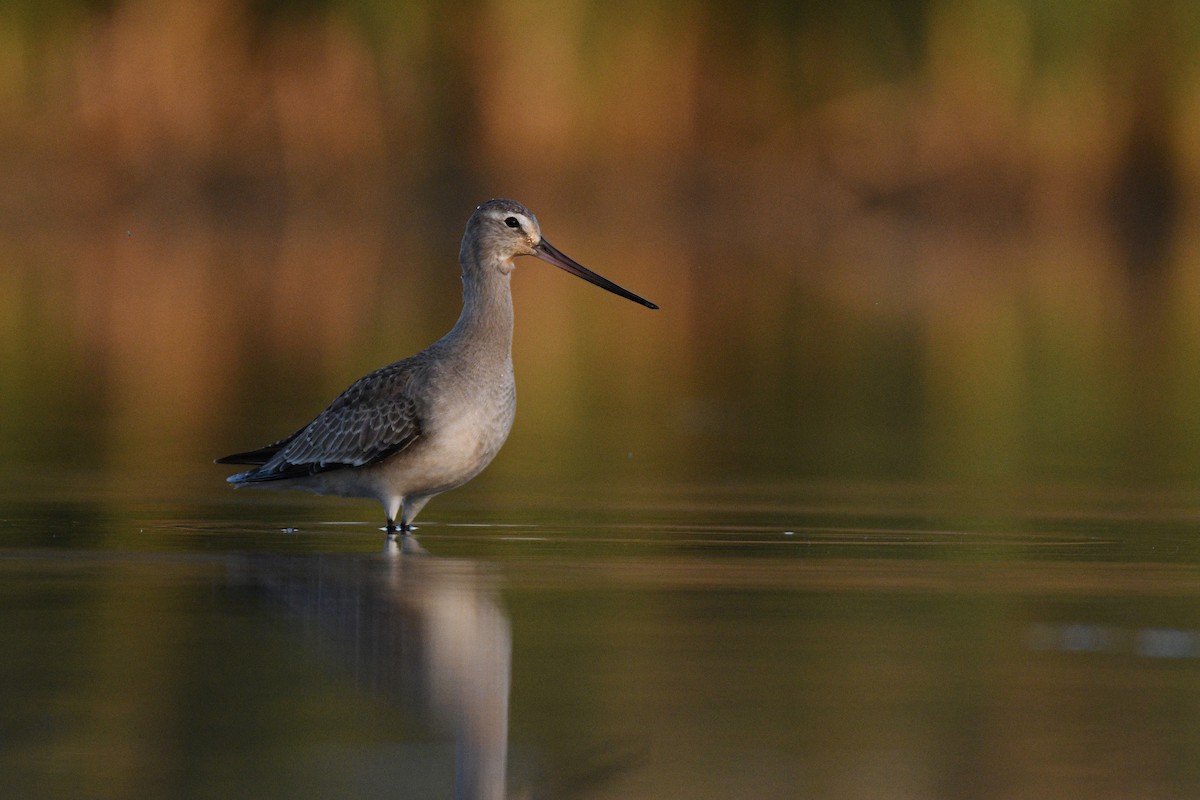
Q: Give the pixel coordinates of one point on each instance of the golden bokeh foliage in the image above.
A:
(892, 239)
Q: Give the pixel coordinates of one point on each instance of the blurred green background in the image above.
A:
(934, 240)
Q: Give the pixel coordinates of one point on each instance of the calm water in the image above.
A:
(692, 641)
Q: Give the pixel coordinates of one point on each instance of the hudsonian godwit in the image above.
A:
(431, 422)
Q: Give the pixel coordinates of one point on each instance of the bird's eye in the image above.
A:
(512, 222)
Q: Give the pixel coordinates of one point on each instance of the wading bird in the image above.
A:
(431, 422)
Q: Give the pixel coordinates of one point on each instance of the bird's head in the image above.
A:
(500, 230)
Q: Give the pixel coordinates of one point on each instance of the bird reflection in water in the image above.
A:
(424, 631)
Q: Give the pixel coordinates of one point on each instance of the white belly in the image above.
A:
(463, 437)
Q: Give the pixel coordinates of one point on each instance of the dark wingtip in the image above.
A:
(253, 457)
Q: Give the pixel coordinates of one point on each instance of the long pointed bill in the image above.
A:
(552, 255)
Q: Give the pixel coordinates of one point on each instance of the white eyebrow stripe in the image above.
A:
(527, 226)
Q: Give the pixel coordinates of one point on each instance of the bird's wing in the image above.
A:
(377, 416)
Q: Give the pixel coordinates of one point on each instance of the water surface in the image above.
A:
(767, 640)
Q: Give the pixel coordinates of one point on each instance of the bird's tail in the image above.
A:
(256, 458)
(241, 478)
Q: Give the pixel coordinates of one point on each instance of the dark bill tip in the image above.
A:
(552, 255)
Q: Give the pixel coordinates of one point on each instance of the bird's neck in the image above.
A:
(486, 323)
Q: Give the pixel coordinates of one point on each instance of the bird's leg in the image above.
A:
(392, 507)
(402, 527)
(412, 507)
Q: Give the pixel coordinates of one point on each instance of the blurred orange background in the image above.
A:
(903, 240)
